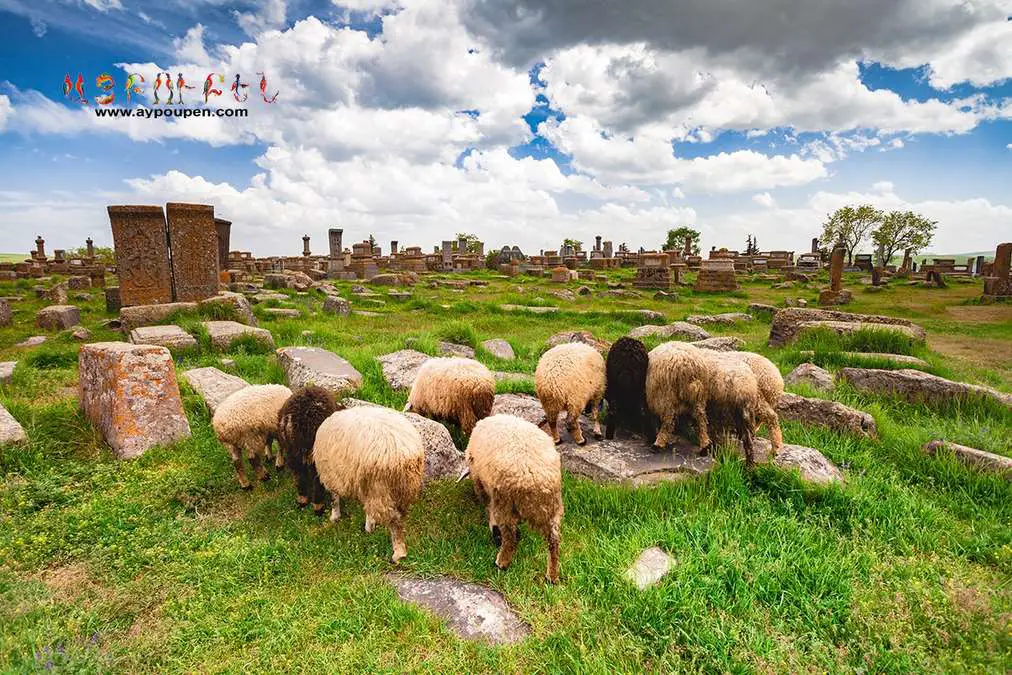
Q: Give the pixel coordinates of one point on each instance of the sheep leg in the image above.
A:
(467, 421)
(302, 498)
(370, 524)
(318, 490)
(240, 472)
(552, 415)
(554, 537)
(702, 424)
(769, 416)
(335, 508)
(256, 464)
(663, 438)
(573, 425)
(279, 456)
(509, 545)
(400, 547)
(595, 417)
(609, 425)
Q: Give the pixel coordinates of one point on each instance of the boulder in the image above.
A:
(649, 567)
(787, 323)
(385, 279)
(830, 414)
(224, 333)
(726, 319)
(470, 611)
(917, 386)
(525, 308)
(895, 358)
(57, 317)
(452, 349)
(130, 394)
(336, 305)
(649, 314)
(282, 313)
(299, 281)
(811, 375)
(80, 333)
(679, 329)
(79, 283)
(563, 294)
(721, 344)
(149, 315)
(7, 371)
(11, 430)
(171, 337)
(241, 309)
(313, 365)
(6, 317)
(812, 464)
(213, 385)
(524, 406)
(848, 327)
(400, 368)
(583, 336)
(499, 348)
(666, 295)
(57, 294)
(985, 461)
(33, 341)
(267, 297)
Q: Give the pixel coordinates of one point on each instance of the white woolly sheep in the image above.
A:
(568, 378)
(453, 389)
(517, 473)
(771, 388)
(677, 374)
(248, 420)
(732, 391)
(376, 456)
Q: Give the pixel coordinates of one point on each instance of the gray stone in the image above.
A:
(282, 313)
(80, 333)
(918, 386)
(171, 337)
(452, 349)
(224, 333)
(760, 308)
(400, 368)
(830, 414)
(5, 314)
(985, 461)
(148, 315)
(666, 295)
(582, 336)
(812, 464)
(314, 365)
(10, 430)
(471, 611)
(525, 308)
(502, 376)
(267, 297)
(848, 327)
(213, 385)
(362, 312)
(336, 305)
(727, 343)
(726, 319)
(895, 358)
(811, 375)
(649, 314)
(399, 295)
(33, 341)
(57, 317)
(650, 567)
(678, 329)
(632, 460)
(499, 348)
(130, 394)
(7, 371)
(563, 294)
(241, 308)
(787, 323)
(524, 406)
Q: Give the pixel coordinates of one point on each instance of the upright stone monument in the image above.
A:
(40, 249)
(193, 241)
(609, 249)
(305, 246)
(447, 256)
(141, 241)
(90, 255)
(999, 283)
(335, 262)
(223, 228)
(393, 247)
(835, 294)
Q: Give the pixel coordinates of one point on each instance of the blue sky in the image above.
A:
(413, 121)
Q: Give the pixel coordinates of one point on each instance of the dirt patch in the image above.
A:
(222, 511)
(67, 583)
(981, 313)
(988, 352)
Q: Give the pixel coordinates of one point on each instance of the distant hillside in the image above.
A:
(12, 257)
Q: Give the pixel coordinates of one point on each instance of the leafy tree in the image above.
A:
(850, 225)
(471, 239)
(577, 245)
(103, 254)
(900, 230)
(676, 239)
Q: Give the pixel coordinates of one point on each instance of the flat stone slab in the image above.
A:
(7, 371)
(213, 385)
(33, 341)
(502, 376)
(917, 386)
(582, 336)
(526, 308)
(812, 464)
(335, 305)
(471, 611)
(811, 375)
(631, 460)
(721, 344)
(314, 365)
(848, 327)
(147, 315)
(171, 337)
(649, 567)
(679, 329)
(224, 333)
(830, 414)
(5, 313)
(787, 323)
(726, 319)
(57, 317)
(400, 368)
(452, 349)
(986, 461)
(264, 297)
(240, 306)
(895, 358)
(282, 312)
(11, 430)
(499, 348)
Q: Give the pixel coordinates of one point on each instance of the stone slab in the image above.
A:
(11, 430)
(499, 348)
(825, 413)
(314, 365)
(171, 337)
(7, 371)
(57, 317)
(649, 567)
(140, 237)
(6, 318)
(193, 241)
(678, 329)
(726, 343)
(213, 385)
(224, 333)
(918, 386)
(148, 315)
(813, 466)
(986, 461)
(726, 319)
(240, 306)
(811, 375)
(400, 368)
(452, 349)
(895, 358)
(787, 322)
(526, 308)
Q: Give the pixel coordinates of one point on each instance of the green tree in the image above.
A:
(851, 225)
(103, 254)
(751, 245)
(471, 239)
(900, 230)
(577, 245)
(372, 243)
(676, 239)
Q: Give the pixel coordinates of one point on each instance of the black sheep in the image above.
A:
(298, 421)
(625, 392)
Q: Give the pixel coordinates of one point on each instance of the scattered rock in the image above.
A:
(649, 315)
(812, 464)
(11, 430)
(471, 611)
(727, 343)
(130, 393)
(563, 294)
(501, 376)
(171, 337)
(583, 336)
(848, 327)
(299, 281)
(525, 308)
(783, 285)
(811, 375)
(665, 295)
(499, 348)
(986, 461)
(57, 317)
(524, 406)
(787, 323)
(918, 386)
(267, 297)
(452, 349)
(895, 358)
(399, 295)
(678, 329)
(362, 312)
(336, 305)
(650, 566)
(385, 280)
(58, 294)
(726, 319)
(79, 283)
(400, 368)
(583, 290)
(7, 371)
(313, 365)
(148, 315)
(33, 341)
(282, 313)
(224, 333)
(760, 308)
(213, 385)
(240, 306)
(830, 414)
(226, 363)
(80, 333)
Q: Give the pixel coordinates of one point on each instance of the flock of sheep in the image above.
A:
(375, 456)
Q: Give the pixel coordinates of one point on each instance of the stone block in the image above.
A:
(313, 365)
(224, 333)
(213, 385)
(57, 317)
(171, 337)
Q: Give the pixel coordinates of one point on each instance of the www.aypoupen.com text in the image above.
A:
(155, 113)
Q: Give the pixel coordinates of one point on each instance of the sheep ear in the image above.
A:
(464, 473)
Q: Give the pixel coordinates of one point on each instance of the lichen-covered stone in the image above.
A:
(678, 329)
(313, 365)
(213, 385)
(499, 348)
(171, 337)
(11, 430)
(57, 317)
(918, 386)
(224, 333)
(811, 375)
(400, 368)
(830, 414)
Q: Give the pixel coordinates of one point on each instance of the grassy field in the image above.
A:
(162, 564)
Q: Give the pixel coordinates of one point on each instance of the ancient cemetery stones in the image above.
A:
(7, 371)
(282, 313)
(726, 343)
(679, 329)
(918, 386)
(649, 567)
(726, 319)
(985, 461)
(10, 430)
(237, 305)
(142, 254)
(822, 412)
(452, 349)
(147, 315)
(193, 239)
(313, 365)
(811, 375)
(213, 385)
(586, 337)
(57, 317)
(171, 337)
(400, 368)
(499, 348)
(33, 341)
(336, 305)
(130, 394)
(5, 313)
(789, 323)
(224, 333)
(810, 463)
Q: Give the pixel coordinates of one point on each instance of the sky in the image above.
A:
(523, 122)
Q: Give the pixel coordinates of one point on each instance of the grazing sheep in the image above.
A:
(517, 473)
(771, 388)
(733, 398)
(376, 456)
(569, 377)
(248, 420)
(453, 389)
(676, 385)
(625, 391)
(298, 421)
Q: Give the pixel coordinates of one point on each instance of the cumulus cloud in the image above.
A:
(765, 199)
(6, 110)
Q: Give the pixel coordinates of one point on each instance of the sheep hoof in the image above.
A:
(496, 536)
(300, 504)
(247, 486)
(558, 441)
(582, 442)
(319, 510)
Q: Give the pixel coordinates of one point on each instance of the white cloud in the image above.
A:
(39, 27)
(765, 199)
(103, 5)
(190, 47)
(6, 110)
(883, 186)
(271, 16)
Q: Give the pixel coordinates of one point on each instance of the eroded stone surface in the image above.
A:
(831, 414)
(727, 343)
(452, 349)
(787, 323)
(917, 386)
(213, 385)
(400, 368)
(726, 319)
(282, 312)
(649, 567)
(5, 313)
(336, 305)
(147, 315)
(471, 611)
(848, 327)
(7, 371)
(812, 464)
(314, 365)
(241, 308)
(33, 341)
(57, 317)
(585, 337)
(10, 430)
(526, 308)
(171, 337)
(811, 375)
(895, 358)
(224, 333)
(499, 348)
(679, 329)
(986, 461)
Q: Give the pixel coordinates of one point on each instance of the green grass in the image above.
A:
(162, 564)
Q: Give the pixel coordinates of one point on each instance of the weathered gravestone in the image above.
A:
(193, 240)
(142, 254)
(313, 365)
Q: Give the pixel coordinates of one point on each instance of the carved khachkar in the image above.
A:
(224, 230)
(193, 241)
(142, 254)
